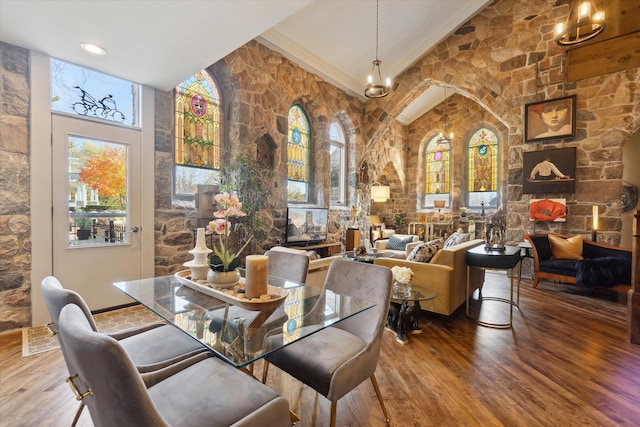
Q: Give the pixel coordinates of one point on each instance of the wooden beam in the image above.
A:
(608, 56)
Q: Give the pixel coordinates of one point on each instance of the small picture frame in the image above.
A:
(550, 119)
(549, 171)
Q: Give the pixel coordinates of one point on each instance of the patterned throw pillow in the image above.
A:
(457, 238)
(397, 243)
(425, 251)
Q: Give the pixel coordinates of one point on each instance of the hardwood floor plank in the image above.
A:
(565, 362)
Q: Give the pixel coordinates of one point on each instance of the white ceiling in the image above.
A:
(161, 43)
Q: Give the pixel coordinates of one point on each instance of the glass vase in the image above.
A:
(401, 290)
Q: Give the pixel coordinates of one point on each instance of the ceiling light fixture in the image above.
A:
(445, 119)
(583, 23)
(380, 193)
(93, 48)
(375, 88)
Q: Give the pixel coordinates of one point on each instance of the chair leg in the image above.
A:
(334, 407)
(78, 412)
(377, 389)
(536, 279)
(265, 371)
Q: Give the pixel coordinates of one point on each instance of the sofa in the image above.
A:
(594, 265)
(382, 245)
(446, 274)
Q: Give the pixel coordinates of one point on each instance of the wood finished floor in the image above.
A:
(566, 362)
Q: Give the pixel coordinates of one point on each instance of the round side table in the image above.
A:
(404, 319)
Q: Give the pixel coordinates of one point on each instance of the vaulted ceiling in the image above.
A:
(161, 43)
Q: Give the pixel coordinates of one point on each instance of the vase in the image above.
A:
(199, 265)
(223, 279)
(401, 290)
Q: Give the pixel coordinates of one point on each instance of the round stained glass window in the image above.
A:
(297, 137)
(198, 105)
(437, 155)
(483, 150)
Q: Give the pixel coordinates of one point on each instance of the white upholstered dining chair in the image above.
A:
(337, 359)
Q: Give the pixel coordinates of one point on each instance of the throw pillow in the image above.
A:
(425, 251)
(396, 243)
(562, 248)
(457, 238)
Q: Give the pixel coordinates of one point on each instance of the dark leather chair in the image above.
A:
(337, 359)
(199, 391)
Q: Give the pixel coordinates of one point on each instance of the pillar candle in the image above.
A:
(256, 275)
(595, 217)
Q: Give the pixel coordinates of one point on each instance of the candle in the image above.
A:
(256, 276)
(595, 217)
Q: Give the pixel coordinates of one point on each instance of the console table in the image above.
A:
(323, 249)
(506, 259)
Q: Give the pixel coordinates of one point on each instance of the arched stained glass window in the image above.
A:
(198, 132)
(437, 172)
(298, 155)
(483, 168)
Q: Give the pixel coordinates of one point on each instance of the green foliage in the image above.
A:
(83, 223)
(249, 180)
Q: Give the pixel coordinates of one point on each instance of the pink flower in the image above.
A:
(230, 206)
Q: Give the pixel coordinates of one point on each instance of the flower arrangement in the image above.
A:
(402, 275)
(222, 258)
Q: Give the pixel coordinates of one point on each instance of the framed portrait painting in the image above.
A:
(549, 171)
(550, 119)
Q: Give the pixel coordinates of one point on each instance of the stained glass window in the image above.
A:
(337, 158)
(198, 132)
(483, 168)
(298, 155)
(437, 172)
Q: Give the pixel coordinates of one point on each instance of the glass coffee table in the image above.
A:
(404, 319)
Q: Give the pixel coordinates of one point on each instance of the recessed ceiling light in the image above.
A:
(93, 48)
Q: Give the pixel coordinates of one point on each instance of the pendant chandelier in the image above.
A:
(442, 139)
(375, 88)
(583, 23)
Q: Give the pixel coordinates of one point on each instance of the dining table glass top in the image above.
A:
(242, 332)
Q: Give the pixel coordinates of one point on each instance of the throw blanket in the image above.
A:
(603, 272)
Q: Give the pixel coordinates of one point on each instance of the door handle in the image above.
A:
(134, 229)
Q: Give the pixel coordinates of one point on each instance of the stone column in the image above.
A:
(634, 293)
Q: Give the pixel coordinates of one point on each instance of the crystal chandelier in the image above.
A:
(582, 24)
(375, 88)
(442, 139)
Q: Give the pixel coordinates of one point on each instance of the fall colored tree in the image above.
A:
(106, 173)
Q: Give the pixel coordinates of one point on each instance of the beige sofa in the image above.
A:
(381, 246)
(446, 274)
(317, 267)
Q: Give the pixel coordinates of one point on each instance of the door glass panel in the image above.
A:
(97, 192)
(81, 91)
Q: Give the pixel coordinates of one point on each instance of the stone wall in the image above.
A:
(502, 59)
(258, 88)
(15, 226)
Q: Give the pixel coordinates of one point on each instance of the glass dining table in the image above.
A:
(242, 332)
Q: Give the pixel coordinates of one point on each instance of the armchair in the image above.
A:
(378, 228)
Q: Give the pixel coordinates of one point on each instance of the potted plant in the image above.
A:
(84, 228)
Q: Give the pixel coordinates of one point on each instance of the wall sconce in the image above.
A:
(594, 231)
(380, 193)
(438, 204)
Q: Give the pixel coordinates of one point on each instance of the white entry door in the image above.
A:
(96, 208)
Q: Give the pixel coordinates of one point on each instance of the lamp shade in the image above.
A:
(380, 193)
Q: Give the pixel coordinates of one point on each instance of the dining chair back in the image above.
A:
(289, 266)
(193, 392)
(337, 359)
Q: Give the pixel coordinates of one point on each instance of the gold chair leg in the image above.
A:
(377, 389)
(78, 412)
(265, 371)
(334, 407)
